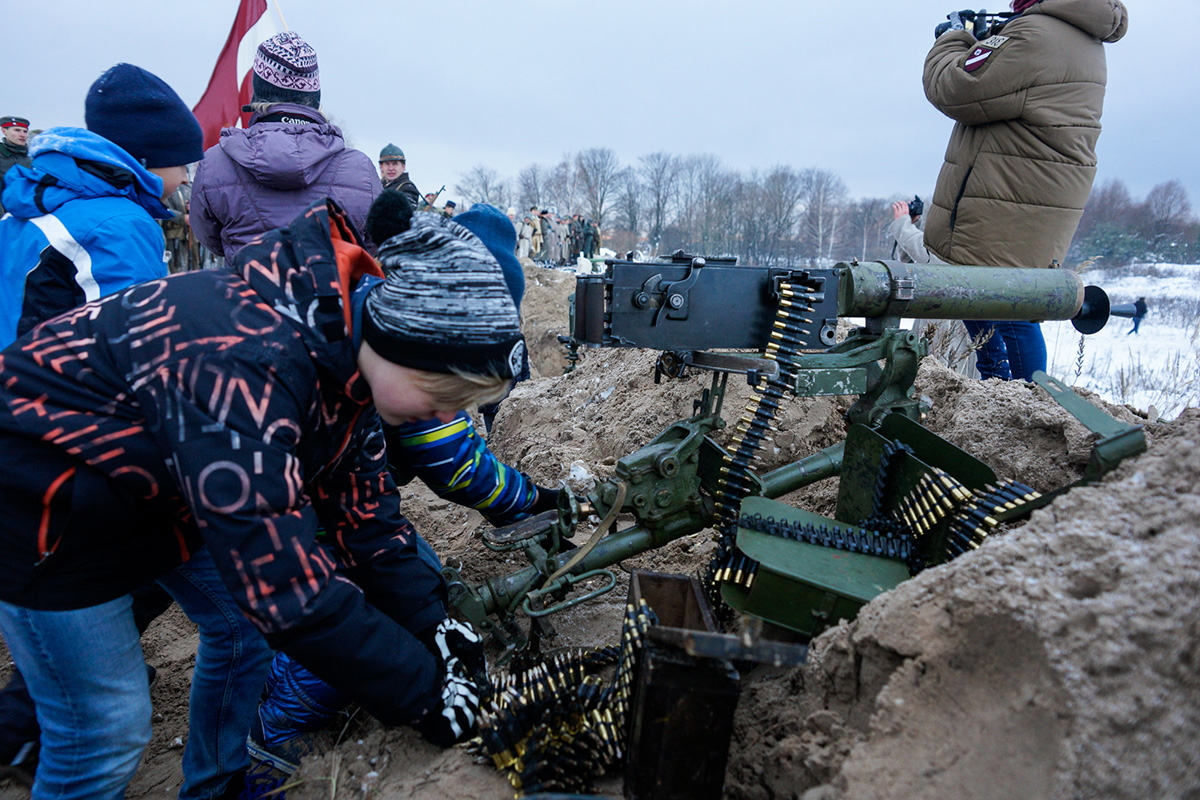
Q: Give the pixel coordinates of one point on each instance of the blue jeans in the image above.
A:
(232, 663)
(85, 672)
(1015, 350)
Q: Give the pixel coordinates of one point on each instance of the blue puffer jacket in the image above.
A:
(81, 225)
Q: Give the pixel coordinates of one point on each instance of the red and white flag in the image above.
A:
(229, 87)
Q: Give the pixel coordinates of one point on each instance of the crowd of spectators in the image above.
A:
(555, 240)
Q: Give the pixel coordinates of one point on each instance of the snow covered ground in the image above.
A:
(1160, 365)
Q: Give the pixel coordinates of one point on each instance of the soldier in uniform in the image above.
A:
(13, 147)
(576, 236)
(564, 240)
(536, 241)
(183, 251)
(550, 248)
(393, 170)
(591, 238)
(525, 237)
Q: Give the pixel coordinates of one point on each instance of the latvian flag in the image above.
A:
(229, 87)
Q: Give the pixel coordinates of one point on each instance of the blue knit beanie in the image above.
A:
(137, 111)
(496, 232)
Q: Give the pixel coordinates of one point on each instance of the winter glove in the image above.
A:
(452, 719)
(458, 640)
(546, 500)
(459, 651)
(955, 24)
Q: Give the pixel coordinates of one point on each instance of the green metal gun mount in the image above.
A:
(907, 499)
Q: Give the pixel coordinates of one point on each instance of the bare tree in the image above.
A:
(1168, 209)
(531, 187)
(599, 171)
(706, 222)
(866, 223)
(685, 227)
(482, 185)
(826, 194)
(1109, 204)
(629, 212)
(659, 174)
(781, 200)
(750, 227)
(562, 186)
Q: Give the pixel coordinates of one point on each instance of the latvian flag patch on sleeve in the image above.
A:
(982, 51)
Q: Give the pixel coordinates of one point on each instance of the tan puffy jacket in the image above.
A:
(1022, 156)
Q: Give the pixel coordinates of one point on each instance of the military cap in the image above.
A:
(391, 153)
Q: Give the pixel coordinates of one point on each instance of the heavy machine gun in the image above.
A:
(907, 499)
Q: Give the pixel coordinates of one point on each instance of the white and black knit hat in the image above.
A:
(287, 61)
(444, 306)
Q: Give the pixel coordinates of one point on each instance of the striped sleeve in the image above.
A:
(454, 461)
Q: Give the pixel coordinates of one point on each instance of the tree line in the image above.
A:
(1117, 229)
(784, 215)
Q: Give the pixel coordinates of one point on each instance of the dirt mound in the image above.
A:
(1015, 427)
(544, 317)
(1061, 659)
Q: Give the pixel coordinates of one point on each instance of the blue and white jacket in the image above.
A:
(80, 226)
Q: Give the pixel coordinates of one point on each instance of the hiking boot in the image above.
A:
(284, 756)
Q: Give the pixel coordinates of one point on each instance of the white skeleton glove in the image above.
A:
(459, 651)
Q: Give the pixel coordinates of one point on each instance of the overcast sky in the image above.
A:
(455, 83)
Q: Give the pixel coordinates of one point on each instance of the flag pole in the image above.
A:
(279, 11)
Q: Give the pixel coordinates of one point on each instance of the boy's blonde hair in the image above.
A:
(461, 390)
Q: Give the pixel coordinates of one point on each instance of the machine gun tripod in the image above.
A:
(907, 499)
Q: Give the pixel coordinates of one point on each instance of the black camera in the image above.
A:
(978, 22)
(915, 207)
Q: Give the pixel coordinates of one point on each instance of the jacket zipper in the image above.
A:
(961, 190)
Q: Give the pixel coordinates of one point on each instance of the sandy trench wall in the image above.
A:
(1059, 660)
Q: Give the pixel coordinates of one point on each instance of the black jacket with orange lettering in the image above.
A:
(223, 408)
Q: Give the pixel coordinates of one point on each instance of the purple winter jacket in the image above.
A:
(260, 178)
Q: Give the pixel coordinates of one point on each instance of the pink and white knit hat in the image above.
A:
(287, 61)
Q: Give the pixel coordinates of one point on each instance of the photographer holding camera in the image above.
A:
(908, 240)
(1026, 102)
(949, 341)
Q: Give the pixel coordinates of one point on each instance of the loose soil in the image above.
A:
(1059, 660)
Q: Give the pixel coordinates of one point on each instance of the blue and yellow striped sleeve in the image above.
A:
(454, 461)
